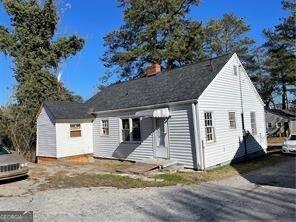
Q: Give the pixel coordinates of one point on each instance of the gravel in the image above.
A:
(266, 194)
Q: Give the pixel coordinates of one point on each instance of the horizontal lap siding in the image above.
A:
(221, 97)
(46, 135)
(104, 145)
(111, 147)
(181, 135)
(71, 146)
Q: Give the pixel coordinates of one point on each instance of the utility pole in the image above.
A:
(242, 110)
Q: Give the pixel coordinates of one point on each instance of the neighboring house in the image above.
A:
(280, 122)
(290, 105)
(192, 115)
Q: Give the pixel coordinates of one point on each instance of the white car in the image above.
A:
(290, 144)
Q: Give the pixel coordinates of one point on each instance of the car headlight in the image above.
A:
(24, 164)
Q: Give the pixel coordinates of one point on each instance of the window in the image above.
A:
(131, 129)
(253, 123)
(232, 122)
(105, 128)
(279, 124)
(235, 70)
(75, 130)
(136, 130)
(125, 130)
(269, 125)
(209, 126)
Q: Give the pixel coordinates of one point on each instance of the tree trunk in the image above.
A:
(284, 96)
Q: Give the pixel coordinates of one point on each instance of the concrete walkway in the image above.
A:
(268, 194)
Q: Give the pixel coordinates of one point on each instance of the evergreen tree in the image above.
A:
(227, 35)
(153, 32)
(280, 53)
(36, 55)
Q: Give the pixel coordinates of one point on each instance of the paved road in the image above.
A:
(268, 194)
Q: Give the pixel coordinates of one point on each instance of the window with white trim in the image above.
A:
(232, 121)
(105, 127)
(209, 128)
(125, 130)
(253, 123)
(131, 129)
(75, 130)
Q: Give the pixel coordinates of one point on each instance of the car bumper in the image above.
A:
(288, 150)
(14, 174)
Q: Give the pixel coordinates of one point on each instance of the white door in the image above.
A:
(161, 138)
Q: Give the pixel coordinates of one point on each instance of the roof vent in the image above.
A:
(153, 69)
(235, 70)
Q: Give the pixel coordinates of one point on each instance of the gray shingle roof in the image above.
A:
(283, 113)
(184, 83)
(68, 110)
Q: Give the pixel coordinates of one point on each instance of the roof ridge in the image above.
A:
(158, 74)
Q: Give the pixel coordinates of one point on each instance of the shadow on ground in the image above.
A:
(234, 199)
(282, 176)
(13, 180)
(221, 203)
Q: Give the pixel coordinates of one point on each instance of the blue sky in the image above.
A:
(93, 19)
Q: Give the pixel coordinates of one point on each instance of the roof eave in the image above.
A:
(146, 107)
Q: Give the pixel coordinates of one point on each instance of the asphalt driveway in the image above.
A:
(268, 194)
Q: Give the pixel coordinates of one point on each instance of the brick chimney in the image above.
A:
(153, 69)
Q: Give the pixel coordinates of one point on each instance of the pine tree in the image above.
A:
(281, 53)
(153, 32)
(36, 55)
(228, 35)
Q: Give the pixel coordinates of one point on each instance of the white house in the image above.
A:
(195, 115)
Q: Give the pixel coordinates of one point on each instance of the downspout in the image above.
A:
(197, 141)
(201, 143)
(242, 110)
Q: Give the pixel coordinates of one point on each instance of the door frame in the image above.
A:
(166, 125)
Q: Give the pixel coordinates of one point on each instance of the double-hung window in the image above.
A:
(253, 123)
(131, 129)
(209, 127)
(105, 128)
(125, 130)
(75, 130)
(232, 121)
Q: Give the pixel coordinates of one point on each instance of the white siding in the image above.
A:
(181, 138)
(46, 135)
(111, 147)
(70, 146)
(223, 96)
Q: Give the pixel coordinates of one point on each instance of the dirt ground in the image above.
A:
(39, 173)
(108, 173)
(267, 194)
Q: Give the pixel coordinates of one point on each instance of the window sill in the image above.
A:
(210, 142)
(131, 142)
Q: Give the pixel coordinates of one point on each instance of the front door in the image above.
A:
(161, 138)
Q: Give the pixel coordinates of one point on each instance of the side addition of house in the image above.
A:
(200, 115)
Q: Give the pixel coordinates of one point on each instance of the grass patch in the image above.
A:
(171, 178)
(61, 180)
(220, 172)
(98, 180)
